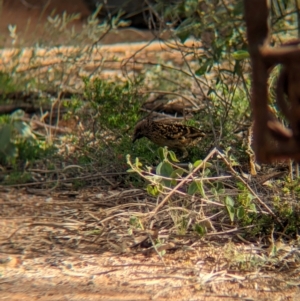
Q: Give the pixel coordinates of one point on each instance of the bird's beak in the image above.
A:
(136, 136)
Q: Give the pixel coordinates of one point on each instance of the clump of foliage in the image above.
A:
(108, 119)
(116, 104)
(7, 84)
(184, 189)
(223, 56)
(18, 142)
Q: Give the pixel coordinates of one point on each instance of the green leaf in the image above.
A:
(158, 168)
(173, 156)
(200, 229)
(253, 207)
(206, 66)
(16, 115)
(138, 164)
(205, 165)
(153, 178)
(7, 148)
(183, 35)
(193, 188)
(162, 153)
(177, 173)
(162, 253)
(10, 150)
(240, 213)
(250, 197)
(23, 128)
(229, 203)
(197, 163)
(207, 172)
(230, 211)
(166, 169)
(200, 188)
(173, 183)
(240, 55)
(5, 135)
(153, 190)
(219, 186)
(166, 183)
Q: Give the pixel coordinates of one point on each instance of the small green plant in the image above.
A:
(200, 183)
(17, 177)
(135, 223)
(108, 118)
(77, 184)
(18, 142)
(116, 104)
(167, 173)
(242, 207)
(7, 85)
(12, 129)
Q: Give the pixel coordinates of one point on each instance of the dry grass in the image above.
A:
(110, 242)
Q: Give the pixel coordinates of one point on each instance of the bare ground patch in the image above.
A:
(60, 247)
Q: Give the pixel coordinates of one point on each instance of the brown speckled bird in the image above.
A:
(172, 135)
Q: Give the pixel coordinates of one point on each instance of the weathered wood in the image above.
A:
(272, 140)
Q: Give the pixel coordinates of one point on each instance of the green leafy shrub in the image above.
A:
(116, 104)
(7, 85)
(18, 142)
(178, 187)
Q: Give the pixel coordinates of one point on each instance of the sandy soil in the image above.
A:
(45, 254)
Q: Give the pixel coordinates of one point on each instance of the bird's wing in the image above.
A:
(176, 131)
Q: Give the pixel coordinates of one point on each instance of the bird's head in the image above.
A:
(139, 131)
